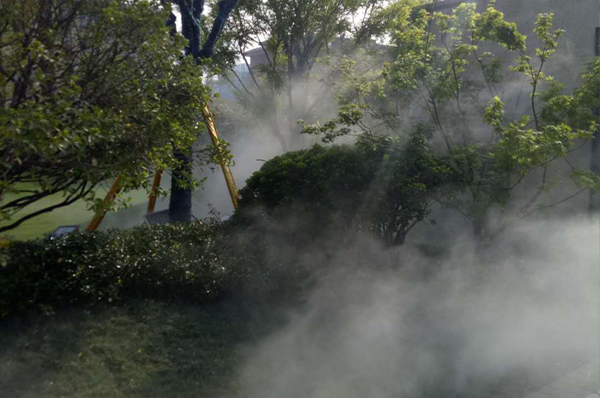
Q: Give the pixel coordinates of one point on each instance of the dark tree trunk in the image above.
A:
(479, 217)
(479, 229)
(280, 137)
(594, 205)
(595, 168)
(180, 204)
(290, 86)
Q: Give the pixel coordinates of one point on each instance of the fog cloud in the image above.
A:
(494, 322)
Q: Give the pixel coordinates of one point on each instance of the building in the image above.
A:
(256, 56)
(579, 19)
(221, 85)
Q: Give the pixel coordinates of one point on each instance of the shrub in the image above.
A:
(178, 261)
(321, 185)
(380, 186)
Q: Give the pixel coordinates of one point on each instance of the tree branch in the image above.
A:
(82, 191)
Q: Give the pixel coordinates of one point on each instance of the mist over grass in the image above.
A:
(339, 317)
(441, 316)
(497, 321)
(146, 348)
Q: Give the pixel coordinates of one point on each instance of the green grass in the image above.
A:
(75, 214)
(146, 349)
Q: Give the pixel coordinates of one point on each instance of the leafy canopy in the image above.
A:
(90, 89)
(436, 72)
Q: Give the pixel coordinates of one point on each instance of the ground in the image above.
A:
(144, 349)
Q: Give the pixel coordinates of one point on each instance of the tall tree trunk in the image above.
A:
(180, 201)
(280, 137)
(180, 204)
(290, 86)
(479, 216)
(594, 206)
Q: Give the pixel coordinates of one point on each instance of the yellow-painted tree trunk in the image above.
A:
(154, 191)
(209, 119)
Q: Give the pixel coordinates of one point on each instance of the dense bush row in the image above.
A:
(179, 260)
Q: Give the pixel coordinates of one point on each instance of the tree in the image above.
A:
(90, 89)
(292, 35)
(180, 205)
(426, 76)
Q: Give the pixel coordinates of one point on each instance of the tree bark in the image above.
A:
(479, 217)
(594, 206)
(180, 204)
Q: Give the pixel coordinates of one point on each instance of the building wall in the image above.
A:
(578, 18)
(258, 58)
(576, 48)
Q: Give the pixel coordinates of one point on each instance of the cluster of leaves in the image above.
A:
(171, 261)
(321, 183)
(428, 74)
(380, 186)
(90, 90)
(199, 262)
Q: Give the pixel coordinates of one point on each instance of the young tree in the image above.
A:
(427, 77)
(292, 35)
(90, 89)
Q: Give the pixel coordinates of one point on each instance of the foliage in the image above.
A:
(297, 31)
(199, 262)
(383, 187)
(90, 90)
(404, 188)
(319, 183)
(171, 261)
(192, 27)
(291, 35)
(428, 74)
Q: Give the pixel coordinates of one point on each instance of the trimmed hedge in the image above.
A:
(383, 187)
(168, 261)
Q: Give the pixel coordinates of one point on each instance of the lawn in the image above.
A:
(75, 214)
(144, 349)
